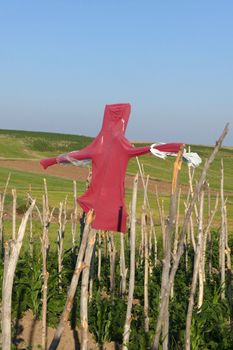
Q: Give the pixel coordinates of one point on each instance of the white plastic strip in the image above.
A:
(70, 160)
(191, 158)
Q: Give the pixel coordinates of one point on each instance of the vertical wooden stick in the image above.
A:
(155, 244)
(84, 290)
(146, 272)
(74, 282)
(147, 204)
(92, 273)
(209, 237)
(45, 274)
(161, 215)
(176, 238)
(195, 273)
(30, 223)
(112, 264)
(229, 270)
(99, 256)
(59, 242)
(2, 202)
(222, 238)
(12, 251)
(192, 233)
(126, 333)
(167, 247)
(60, 237)
(74, 216)
(203, 254)
(123, 270)
(228, 249)
(14, 195)
(153, 238)
(191, 175)
(145, 249)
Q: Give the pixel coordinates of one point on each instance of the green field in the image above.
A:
(37, 145)
(211, 328)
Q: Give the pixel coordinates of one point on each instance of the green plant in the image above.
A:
(211, 327)
(28, 285)
(101, 313)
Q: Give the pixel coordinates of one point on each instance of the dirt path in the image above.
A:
(29, 335)
(73, 173)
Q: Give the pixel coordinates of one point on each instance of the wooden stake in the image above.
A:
(92, 273)
(60, 237)
(229, 270)
(126, 333)
(2, 202)
(191, 176)
(222, 238)
(176, 238)
(84, 290)
(14, 195)
(161, 215)
(195, 273)
(30, 223)
(112, 264)
(183, 232)
(147, 204)
(123, 270)
(47, 216)
(12, 249)
(74, 282)
(203, 257)
(74, 216)
(146, 272)
(167, 247)
(99, 255)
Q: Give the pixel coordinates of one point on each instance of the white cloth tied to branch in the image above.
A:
(191, 158)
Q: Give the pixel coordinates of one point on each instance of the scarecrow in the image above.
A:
(109, 153)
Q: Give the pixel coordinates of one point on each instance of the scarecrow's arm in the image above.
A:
(86, 153)
(166, 147)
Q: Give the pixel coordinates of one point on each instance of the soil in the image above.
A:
(29, 335)
(75, 173)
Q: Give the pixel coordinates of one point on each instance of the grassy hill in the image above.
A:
(36, 145)
(25, 145)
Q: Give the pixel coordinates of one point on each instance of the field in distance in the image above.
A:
(20, 152)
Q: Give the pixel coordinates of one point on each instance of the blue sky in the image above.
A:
(62, 61)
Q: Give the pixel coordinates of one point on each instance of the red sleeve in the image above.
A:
(169, 147)
(138, 151)
(86, 153)
(166, 147)
(48, 162)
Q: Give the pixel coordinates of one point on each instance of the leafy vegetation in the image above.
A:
(211, 327)
(212, 324)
